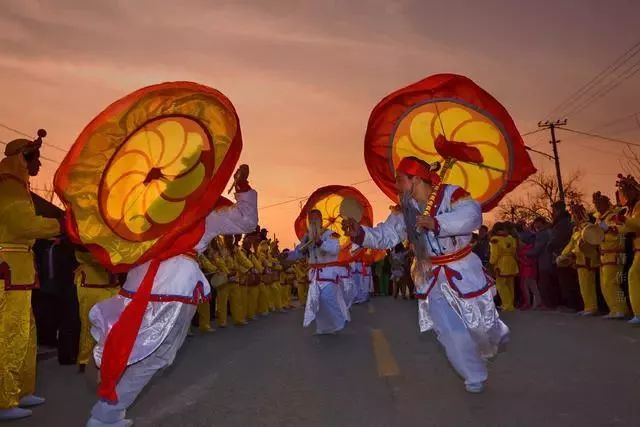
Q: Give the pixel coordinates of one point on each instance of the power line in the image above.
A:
(615, 121)
(624, 76)
(531, 132)
(306, 197)
(57, 162)
(19, 132)
(542, 153)
(605, 138)
(595, 81)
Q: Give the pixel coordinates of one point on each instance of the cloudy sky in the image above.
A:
(304, 75)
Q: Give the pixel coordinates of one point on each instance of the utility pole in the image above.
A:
(554, 142)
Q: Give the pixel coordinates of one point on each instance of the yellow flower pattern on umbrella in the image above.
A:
(145, 184)
(418, 130)
(144, 172)
(332, 208)
(336, 202)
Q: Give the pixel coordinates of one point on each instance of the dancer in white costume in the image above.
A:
(178, 287)
(325, 301)
(455, 295)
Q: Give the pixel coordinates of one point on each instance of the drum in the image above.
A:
(593, 235)
(218, 279)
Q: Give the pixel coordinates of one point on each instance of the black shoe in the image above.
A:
(81, 368)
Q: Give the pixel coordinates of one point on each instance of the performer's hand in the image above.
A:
(426, 222)
(350, 227)
(241, 178)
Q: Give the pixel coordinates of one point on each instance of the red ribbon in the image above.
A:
(122, 337)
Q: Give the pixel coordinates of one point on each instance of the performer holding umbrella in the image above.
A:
(140, 185)
(445, 124)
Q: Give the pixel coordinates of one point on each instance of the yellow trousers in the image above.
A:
(285, 295)
(87, 298)
(244, 302)
(303, 290)
(634, 284)
(229, 293)
(611, 290)
(504, 285)
(587, 281)
(253, 294)
(17, 347)
(204, 316)
(263, 299)
(275, 291)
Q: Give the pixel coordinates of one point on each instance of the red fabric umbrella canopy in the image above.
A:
(336, 202)
(142, 176)
(448, 115)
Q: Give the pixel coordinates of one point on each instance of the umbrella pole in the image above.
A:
(444, 171)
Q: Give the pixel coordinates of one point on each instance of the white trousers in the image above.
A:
(138, 375)
(461, 348)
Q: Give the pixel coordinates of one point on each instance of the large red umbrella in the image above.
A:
(137, 185)
(336, 202)
(449, 119)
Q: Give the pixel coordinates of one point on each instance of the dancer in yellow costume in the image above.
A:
(503, 258)
(230, 291)
(243, 267)
(612, 256)
(276, 274)
(302, 281)
(585, 258)
(287, 281)
(204, 308)
(19, 228)
(254, 283)
(265, 300)
(629, 195)
(93, 284)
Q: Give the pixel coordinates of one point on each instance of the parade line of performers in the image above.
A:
(579, 262)
(253, 278)
(455, 293)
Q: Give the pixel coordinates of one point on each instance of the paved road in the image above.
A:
(560, 370)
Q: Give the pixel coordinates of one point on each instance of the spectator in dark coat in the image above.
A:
(546, 280)
(481, 246)
(561, 232)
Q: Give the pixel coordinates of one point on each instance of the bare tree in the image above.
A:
(541, 192)
(631, 164)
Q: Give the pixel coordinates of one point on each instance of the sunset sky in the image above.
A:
(304, 75)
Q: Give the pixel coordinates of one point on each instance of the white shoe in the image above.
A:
(14, 414)
(31, 400)
(474, 387)
(616, 316)
(94, 422)
(634, 321)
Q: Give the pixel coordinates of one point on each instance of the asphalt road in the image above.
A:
(559, 370)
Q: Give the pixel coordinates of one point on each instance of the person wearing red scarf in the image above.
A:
(455, 296)
(178, 287)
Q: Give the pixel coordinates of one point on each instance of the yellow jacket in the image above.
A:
(19, 226)
(243, 263)
(632, 225)
(90, 274)
(503, 255)
(206, 265)
(301, 271)
(257, 263)
(612, 248)
(586, 256)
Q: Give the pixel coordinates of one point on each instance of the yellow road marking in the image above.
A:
(372, 309)
(387, 365)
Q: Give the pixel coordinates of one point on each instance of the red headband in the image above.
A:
(413, 167)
